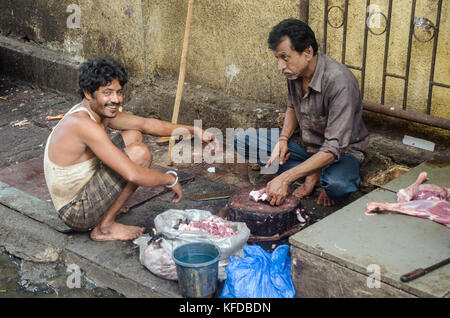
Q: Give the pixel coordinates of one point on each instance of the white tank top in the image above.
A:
(65, 183)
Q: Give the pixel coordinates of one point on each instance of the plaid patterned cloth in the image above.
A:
(87, 209)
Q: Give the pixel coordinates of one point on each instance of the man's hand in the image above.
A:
(277, 190)
(208, 138)
(178, 193)
(280, 151)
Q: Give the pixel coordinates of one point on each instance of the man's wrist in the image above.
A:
(283, 137)
(289, 177)
(175, 175)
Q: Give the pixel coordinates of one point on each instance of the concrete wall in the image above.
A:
(228, 49)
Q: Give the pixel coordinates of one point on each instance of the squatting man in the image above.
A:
(324, 102)
(89, 174)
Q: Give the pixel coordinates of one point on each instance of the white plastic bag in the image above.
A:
(157, 257)
(167, 224)
(159, 262)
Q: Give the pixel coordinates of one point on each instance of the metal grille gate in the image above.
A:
(414, 22)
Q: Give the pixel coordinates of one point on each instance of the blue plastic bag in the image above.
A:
(259, 274)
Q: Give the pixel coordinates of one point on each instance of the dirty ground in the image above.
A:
(23, 279)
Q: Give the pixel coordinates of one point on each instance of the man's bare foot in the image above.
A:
(324, 199)
(308, 187)
(116, 232)
(303, 191)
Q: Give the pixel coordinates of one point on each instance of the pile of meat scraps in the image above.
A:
(427, 201)
(211, 225)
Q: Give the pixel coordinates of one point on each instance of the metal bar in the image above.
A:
(304, 11)
(395, 75)
(433, 61)
(325, 25)
(439, 84)
(386, 52)
(408, 58)
(354, 67)
(344, 36)
(407, 115)
(366, 31)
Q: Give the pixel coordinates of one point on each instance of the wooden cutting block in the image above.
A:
(261, 218)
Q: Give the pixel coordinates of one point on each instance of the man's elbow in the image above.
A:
(131, 176)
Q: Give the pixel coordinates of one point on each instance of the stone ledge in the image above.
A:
(38, 65)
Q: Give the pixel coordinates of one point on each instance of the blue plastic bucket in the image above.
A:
(197, 268)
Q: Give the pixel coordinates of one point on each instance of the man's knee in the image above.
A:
(140, 154)
(132, 136)
(338, 188)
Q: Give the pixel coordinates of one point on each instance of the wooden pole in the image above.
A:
(181, 76)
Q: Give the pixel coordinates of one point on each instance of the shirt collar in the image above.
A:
(316, 81)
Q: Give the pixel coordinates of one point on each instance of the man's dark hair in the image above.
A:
(299, 33)
(99, 72)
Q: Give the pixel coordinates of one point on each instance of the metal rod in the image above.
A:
(354, 67)
(325, 25)
(395, 75)
(408, 58)
(366, 31)
(439, 84)
(344, 36)
(407, 115)
(386, 52)
(433, 61)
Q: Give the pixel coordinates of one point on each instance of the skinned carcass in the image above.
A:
(427, 201)
(419, 191)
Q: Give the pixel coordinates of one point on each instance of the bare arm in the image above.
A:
(98, 141)
(309, 166)
(280, 151)
(277, 189)
(290, 123)
(156, 127)
(150, 126)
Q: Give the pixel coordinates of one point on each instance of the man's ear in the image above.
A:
(87, 95)
(309, 52)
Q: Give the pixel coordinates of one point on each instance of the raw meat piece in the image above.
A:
(427, 201)
(434, 210)
(210, 225)
(256, 196)
(419, 191)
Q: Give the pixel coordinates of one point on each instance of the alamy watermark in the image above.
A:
(374, 279)
(74, 279)
(374, 19)
(74, 19)
(255, 145)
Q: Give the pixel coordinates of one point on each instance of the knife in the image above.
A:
(212, 196)
(420, 271)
